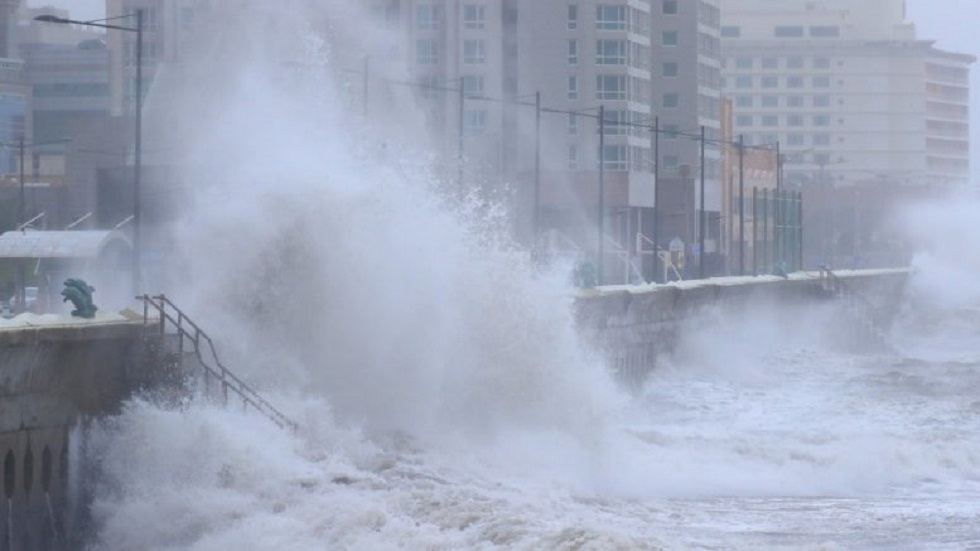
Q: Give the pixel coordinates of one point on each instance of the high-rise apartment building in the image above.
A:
(848, 90)
(640, 60)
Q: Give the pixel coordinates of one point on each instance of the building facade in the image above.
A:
(848, 90)
(643, 62)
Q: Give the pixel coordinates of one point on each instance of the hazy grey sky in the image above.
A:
(80, 9)
(952, 23)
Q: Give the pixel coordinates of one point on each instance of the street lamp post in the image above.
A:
(138, 139)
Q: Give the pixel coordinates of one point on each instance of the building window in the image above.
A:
(476, 121)
(670, 132)
(426, 52)
(794, 82)
(572, 17)
(821, 139)
(770, 82)
(821, 120)
(573, 123)
(821, 82)
(669, 38)
(474, 16)
(794, 101)
(743, 101)
(795, 62)
(573, 52)
(795, 139)
(671, 100)
(821, 101)
(770, 63)
(614, 157)
(770, 120)
(670, 69)
(794, 120)
(671, 162)
(770, 101)
(821, 158)
(824, 31)
(743, 81)
(611, 87)
(669, 7)
(572, 87)
(743, 62)
(821, 63)
(788, 31)
(474, 52)
(616, 123)
(573, 157)
(743, 120)
(731, 32)
(610, 52)
(473, 85)
(610, 18)
(427, 17)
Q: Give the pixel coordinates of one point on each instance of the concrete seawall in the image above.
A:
(633, 326)
(53, 379)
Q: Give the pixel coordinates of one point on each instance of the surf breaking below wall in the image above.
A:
(444, 398)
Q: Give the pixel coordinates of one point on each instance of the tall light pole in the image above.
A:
(702, 222)
(138, 139)
(602, 190)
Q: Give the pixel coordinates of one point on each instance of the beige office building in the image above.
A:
(849, 91)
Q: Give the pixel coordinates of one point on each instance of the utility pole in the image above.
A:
(22, 269)
(602, 190)
(536, 226)
(741, 205)
(656, 199)
(702, 222)
(459, 137)
(367, 86)
(779, 168)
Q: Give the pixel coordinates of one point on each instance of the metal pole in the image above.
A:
(602, 190)
(459, 137)
(20, 207)
(656, 199)
(799, 220)
(765, 229)
(138, 161)
(702, 222)
(779, 168)
(537, 170)
(741, 205)
(367, 85)
(755, 230)
(22, 269)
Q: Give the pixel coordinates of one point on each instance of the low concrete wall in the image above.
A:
(633, 326)
(53, 378)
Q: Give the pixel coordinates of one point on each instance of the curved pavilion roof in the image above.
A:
(59, 244)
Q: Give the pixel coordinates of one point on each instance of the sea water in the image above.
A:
(444, 398)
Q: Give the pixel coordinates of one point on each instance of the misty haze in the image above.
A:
(488, 274)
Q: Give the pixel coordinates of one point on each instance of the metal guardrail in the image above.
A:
(859, 305)
(187, 329)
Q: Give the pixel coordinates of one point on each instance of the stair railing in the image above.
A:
(186, 329)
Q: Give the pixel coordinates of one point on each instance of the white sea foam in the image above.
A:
(444, 399)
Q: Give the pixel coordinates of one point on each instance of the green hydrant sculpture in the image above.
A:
(80, 295)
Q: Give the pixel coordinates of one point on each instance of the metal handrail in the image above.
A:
(829, 281)
(228, 379)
